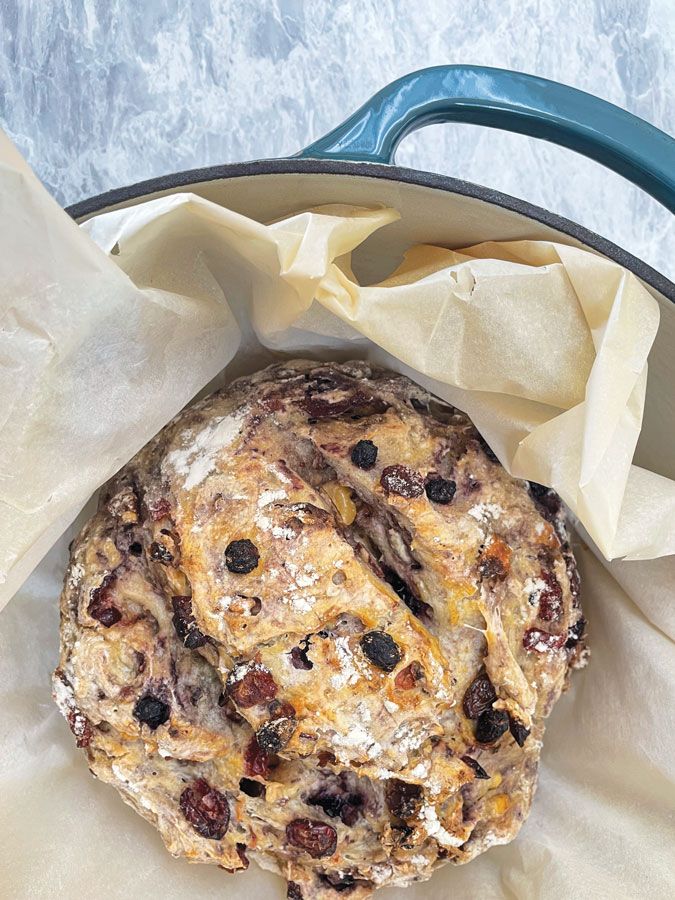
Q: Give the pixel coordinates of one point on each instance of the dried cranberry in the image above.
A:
(403, 799)
(381, 649)
(550, 598)
(151, 711)
(159, 509)
(491, 725)
(241, 557)
(254, 687)
(402, 480)
(251, 788)
(206, 809)
(273, 736)
(407, 678)
(160, 553)
(136, 549)
(416, 606)
(101, 606)
(185, 624)
(440, 490)
(81, 728)
(256, 760)
(479, 696)
(315, 837)
(479, 771)
(541, 641)
(293, 891)
(299, 658)
(519, 731)
(364, 454)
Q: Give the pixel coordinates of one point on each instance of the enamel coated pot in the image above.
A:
(354, 164)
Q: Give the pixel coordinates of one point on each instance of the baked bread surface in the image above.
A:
(315, 623)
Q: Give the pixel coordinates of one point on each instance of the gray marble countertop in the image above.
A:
(101, 93)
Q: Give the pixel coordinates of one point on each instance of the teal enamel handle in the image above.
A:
(511, 101)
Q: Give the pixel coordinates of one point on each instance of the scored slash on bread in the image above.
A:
(314, 621)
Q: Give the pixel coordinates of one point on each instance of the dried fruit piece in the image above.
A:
(256, 760)
(478, 770)
(241, 557)
(403, 799)
(273, 736)
(160, 553)
(547, 500)
(495, 560)
(316, 838)
(439, 490)
(542, 641)
(151, 711)
(249, 685)
(519, 731)
(491, 725)
(364, 454)
(251, 788)
(479, 696)
(337, 802)
(299, 657)
(159, 509)
(402, 480)
(381, 649)
(101, 606)
(341, 498)
(340, 882)
(81, 727)
(575, 633)
(416, 606)
(185, 624)
(205, 809)
(550, 598)
(293, 891)
(407, 678)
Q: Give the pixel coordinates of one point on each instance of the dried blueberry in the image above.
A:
(206, 809)
(254, 686)
(273, 736)
(402, 480)
(364, 454)
(519, 731)
(381, 649)
(491, 725)
(293, 891)
(403, 799)
(241, 557)
(479, 771)
(185, 624)
(160, 553)
(440, 490)
(151, 711)
(479, 696)
(316, 838)
(251, 788)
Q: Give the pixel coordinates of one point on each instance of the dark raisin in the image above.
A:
(160, 553)
(541, 641)
(402, 480)
(479, 696)
(281, 709)
(185, 624)
(364, 454)
(416, 606)
(550, 598)
(299, 658)
(293, 891)
(479, 771)
(316, 838)
(575, 633)
(487, 449)
(101, 606)
(151, 711)
(491, 725)
(136, 549)
(336, 799)
(241, 557)
(206, 809)
(440, 490)
(381, 649)
(273, 736)
(407, 678)
(251, 788)
(254, 687)
(341, 884)
(403, 799)
(256, 760)
(519, 731)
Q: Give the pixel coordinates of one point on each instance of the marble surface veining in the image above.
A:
(102, 93)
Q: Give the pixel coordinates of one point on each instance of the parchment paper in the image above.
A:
(543, 345)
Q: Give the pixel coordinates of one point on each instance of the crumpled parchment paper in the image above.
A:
(544, 345)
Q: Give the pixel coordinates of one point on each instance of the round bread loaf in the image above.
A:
(315, 623)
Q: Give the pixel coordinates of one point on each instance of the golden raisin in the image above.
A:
(341, 498)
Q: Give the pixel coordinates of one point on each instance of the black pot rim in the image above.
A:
(296, 165)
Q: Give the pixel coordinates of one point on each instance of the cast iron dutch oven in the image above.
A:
(354, 164)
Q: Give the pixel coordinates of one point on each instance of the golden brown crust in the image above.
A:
(365, 636)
